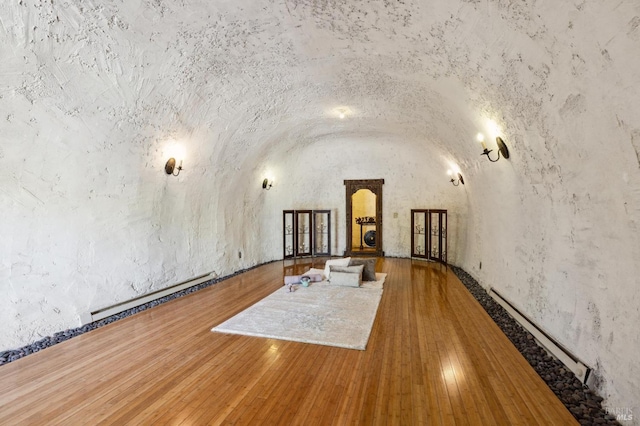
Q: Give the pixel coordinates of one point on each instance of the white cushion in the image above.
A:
(346, 279)
(350, 276)
(337, 262)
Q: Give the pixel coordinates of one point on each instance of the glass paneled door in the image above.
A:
(429, 234)
(438, 226)
(306, 233)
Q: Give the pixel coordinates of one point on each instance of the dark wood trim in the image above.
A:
(296, 234)
(300, 234)
(284, 234)
(316, 234)
(441, 239)
(424, 236)
(375, 186)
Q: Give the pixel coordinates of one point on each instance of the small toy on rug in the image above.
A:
(291, 288)
(297, 279)
(305, 280)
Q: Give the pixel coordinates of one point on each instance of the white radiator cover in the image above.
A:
(570, 361)
(141, 300)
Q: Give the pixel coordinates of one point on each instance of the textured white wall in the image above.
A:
(92, 94)
(312, 177)
(556, 227)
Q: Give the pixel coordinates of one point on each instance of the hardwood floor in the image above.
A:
(434, 357)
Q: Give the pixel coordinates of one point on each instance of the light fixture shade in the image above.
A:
(458, 181)
(170, 166)
(502, 147)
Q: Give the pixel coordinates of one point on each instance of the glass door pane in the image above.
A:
(435, 235)
(443, 236)
(419, 230)
(289, 242)
(304, 235)
(322, 229)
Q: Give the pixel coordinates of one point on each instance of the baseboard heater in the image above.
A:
(141, 300)
(570, 361)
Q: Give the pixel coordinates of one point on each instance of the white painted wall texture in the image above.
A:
(92, 94)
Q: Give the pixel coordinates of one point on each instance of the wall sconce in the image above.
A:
(455, 182)
(502, 148)
(267, 184)
(170, 167)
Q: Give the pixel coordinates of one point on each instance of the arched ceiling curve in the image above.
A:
(261, 70)
(251, 77)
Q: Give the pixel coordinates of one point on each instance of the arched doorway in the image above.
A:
(364, 217)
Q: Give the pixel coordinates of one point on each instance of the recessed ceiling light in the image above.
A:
(342, 112)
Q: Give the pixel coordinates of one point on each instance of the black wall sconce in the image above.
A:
(170, 167)
(502, 148)
(458, 181)
(267, 184)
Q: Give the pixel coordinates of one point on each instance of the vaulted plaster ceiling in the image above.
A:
(94, 95)
(271, 74)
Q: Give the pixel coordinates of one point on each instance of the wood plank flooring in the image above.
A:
(434, 357)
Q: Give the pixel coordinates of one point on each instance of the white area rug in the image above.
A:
(321, 313)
